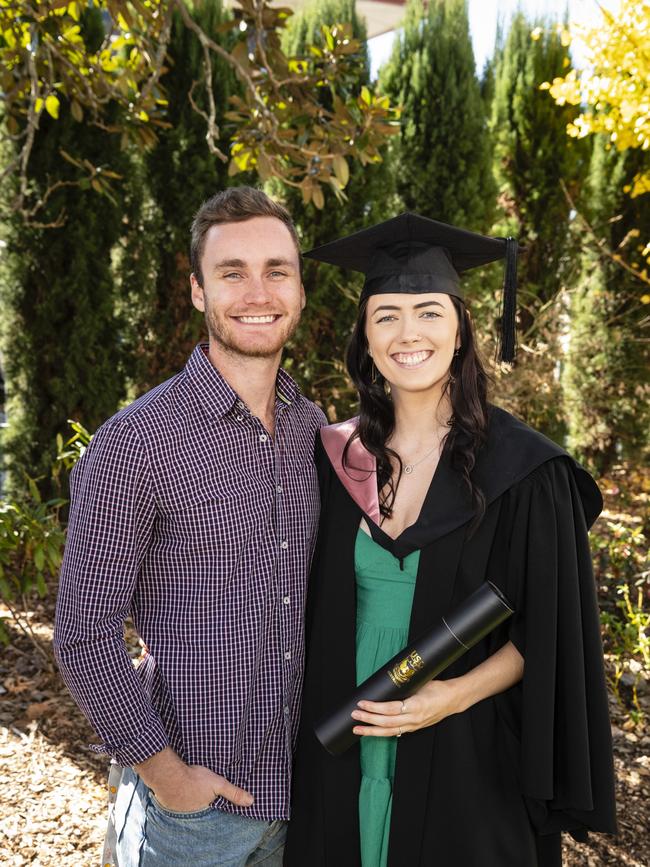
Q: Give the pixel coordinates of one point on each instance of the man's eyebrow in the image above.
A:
(415, 306)
(239, 263)
(273, 263)
(230, 263)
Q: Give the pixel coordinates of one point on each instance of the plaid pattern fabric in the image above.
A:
(189, 517)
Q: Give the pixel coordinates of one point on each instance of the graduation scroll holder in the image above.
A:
(418, 662)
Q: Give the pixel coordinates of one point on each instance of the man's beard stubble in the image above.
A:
(219, 332)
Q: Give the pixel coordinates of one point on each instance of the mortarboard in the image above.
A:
(414, 254)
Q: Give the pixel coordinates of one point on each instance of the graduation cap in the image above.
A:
(414, 254)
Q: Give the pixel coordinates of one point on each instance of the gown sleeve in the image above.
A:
(565, 735)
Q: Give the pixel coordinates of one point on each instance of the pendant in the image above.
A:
(408, 469)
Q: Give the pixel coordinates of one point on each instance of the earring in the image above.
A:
(374, 372)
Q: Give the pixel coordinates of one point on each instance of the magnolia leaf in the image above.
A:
(76, 111)
(52, 105)
(306, 189)
(264, 166)
(341, 169)
(317, 197)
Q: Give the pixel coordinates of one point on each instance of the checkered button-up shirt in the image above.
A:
(189, 517)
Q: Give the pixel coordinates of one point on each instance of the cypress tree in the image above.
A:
(166, 189)
(605, 378)
(60, 341)
(533, 153)
(442, 157)
(533, 156)
(315, 356)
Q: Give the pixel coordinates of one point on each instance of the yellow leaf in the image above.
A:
(365, 95)
(536, 33)
(645, 299)
(52, 105)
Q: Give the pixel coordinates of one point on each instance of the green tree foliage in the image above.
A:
(316, 354)
(282, 128)
(60, 343)
(533, 155)
(442, 155)
(606, 387)
(168, 185)
(533, 158)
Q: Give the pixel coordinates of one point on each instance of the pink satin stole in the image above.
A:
(359, 476)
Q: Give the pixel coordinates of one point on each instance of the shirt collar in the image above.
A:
(219, 398)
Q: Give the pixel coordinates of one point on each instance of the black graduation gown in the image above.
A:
(493, 786)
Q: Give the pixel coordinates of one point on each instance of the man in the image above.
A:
(194, 511)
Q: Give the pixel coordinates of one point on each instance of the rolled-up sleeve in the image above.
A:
(112, 516)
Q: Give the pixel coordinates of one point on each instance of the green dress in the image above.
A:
(384, 599)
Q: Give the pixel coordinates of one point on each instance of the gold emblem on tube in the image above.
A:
(404, 670)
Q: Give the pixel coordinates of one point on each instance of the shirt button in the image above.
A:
(286, 600)
(284, 545)
(287, 655)
(279, 489)
(286, 710)
(241, 404)
(240, 418)
(263, 438)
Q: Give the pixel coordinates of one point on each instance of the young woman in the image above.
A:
(425, 495)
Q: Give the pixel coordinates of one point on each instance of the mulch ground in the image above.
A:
(53, 788)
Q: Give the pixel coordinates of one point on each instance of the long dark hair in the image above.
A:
(467, 390)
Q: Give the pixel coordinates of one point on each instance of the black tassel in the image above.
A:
(509, 309)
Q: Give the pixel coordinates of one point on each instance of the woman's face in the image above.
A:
(412, 338)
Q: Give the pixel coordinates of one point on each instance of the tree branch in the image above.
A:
(600, 242)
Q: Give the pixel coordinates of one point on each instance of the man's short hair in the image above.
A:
(234, 205)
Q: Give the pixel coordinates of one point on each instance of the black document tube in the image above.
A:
(419, 662)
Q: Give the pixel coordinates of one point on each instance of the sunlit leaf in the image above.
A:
(52, 105)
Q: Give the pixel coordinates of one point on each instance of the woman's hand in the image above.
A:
(438, 699)
(433, 702)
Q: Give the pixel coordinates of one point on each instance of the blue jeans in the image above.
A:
(148, 835)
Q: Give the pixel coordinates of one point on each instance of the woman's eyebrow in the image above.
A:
(415, 306)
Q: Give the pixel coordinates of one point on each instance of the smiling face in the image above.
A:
(252, 294)
(412, 338)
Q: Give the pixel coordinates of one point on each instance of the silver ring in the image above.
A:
(400, 732)
(403, 710)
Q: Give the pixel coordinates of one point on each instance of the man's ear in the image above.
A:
(198, 297)
(303, 297)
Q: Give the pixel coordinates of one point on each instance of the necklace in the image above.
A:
(408, 468)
